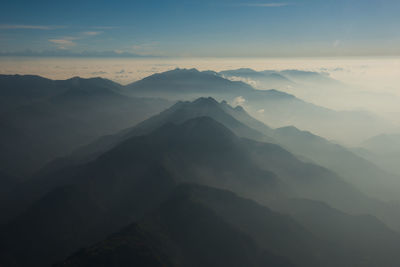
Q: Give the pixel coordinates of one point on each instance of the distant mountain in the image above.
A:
(262, 79)
(18, 90)
(184, 83)
(384, 150)
(188, 84)
(281, 80)
(383, 144)
(366, 175)
(276, 108)
(307, 77)
(61, 116)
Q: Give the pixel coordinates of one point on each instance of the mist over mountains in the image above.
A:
(189, 168)
(273, 107)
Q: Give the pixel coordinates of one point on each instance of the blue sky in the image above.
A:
(201, 28)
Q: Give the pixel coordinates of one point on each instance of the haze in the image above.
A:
(180, 133)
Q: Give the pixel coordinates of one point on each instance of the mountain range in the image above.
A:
(88, 202)
(42, 119)
(383, 149)
(201, 183)
(273, 107)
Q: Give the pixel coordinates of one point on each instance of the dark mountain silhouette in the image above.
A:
(360, 236)
(310, 147)
(18, 90)
(166, 236)
(62, 116)
(7, 183)
(131, 179)
(178, 113)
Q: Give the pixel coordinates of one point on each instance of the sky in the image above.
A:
(182, 28)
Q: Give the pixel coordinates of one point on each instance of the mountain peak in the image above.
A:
(205, 101)
(186, 70)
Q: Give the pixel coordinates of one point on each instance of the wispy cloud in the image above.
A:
(91, 33)
(25, 26)
(64, 43)
(239, 101)
(264, 4)
(70, 41)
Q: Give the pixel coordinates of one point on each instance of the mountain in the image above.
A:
(367, 175)
(359, 235)
(364, 174)
(89, 202)
(63, 116)
(384, 150)
(184, 84)
(178, 113)
(128, 181)
(282, 80)
(167, 238)
(353, 169)
(383, 143)
(219, 216)
(309, 77)
(273, 107)
(7, 183)
(264, 80)
(189, 84)
(18, 90)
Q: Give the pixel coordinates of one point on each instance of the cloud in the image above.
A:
(261, 111)
(239, 101)
(69, 41)
(91, 33)
(249, 81)
(24, 26)
(265, 4)
(64, 43)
